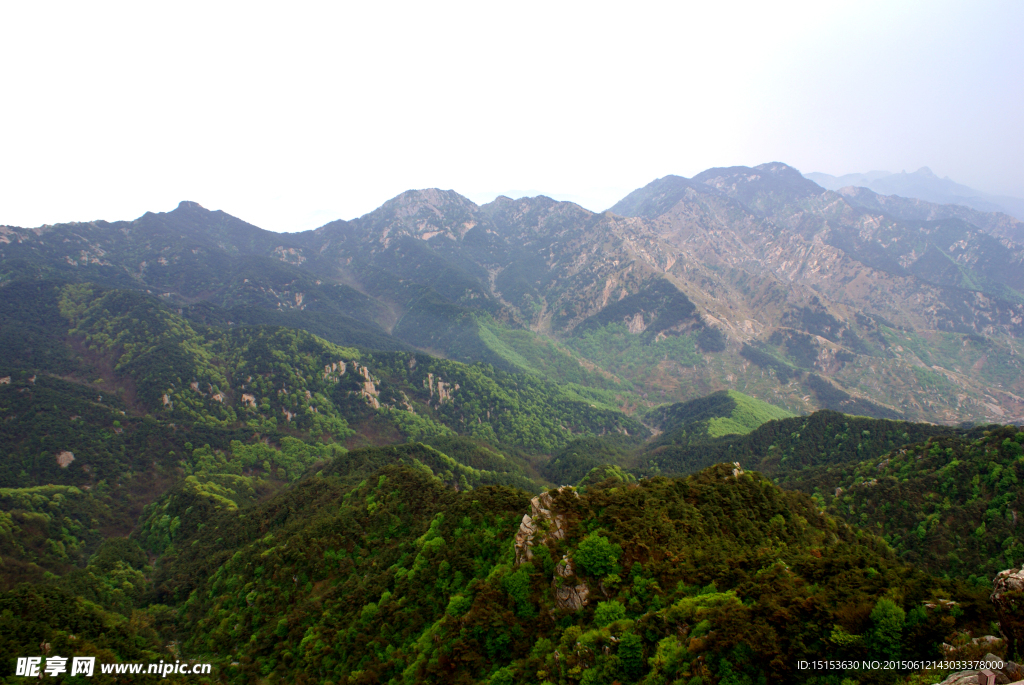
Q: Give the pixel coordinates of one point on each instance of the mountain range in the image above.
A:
(728, 426)
(751, 279)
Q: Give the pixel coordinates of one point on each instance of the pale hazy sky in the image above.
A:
(289, 116)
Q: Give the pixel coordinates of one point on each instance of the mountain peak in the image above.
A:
(433, 197)
(744, 183)
(188, 204)
(925, 171)
(778, 168)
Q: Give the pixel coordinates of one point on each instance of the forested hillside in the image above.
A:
(950, 504)
(109, 400)
(395, 578)
(226, 494)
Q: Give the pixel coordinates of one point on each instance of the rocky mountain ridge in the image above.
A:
(753, 279)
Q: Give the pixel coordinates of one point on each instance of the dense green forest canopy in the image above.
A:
(951, 504)
(395, 577)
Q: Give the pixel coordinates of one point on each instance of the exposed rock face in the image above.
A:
(540, 514)
(570, 594)
(567, 595)
(444, 390)
(524, 540)
(572, 597)
(1003, 675)
(369, 390)
(65, 458)
(1008, 596)
(334, 371)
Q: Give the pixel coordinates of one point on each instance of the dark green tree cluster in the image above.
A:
(824, 437)
(952, 504)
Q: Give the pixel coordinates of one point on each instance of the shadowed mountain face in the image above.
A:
(748, 279)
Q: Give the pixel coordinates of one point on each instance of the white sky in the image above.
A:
(292, 117)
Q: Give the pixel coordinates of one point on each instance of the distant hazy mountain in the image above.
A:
(923, 185)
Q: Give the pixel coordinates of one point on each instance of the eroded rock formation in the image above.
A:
(1009, 674)
(540, 517)
(570, 593)
(1008, 597)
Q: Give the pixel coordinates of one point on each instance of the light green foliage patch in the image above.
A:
(631, 356)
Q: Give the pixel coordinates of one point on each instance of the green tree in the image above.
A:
(887, 619)
(596, 556)
(502, 676)
(631, 654)
(518, 587)
(458, 605)
(608, 612)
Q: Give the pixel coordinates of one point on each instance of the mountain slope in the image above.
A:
(996, 224)
(949, 504)
(746, 279)
(225, 494)
(395, 579)
(833, 279)
(723, 413)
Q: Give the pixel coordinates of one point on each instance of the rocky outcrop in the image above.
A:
(569, 596)
(369, 390)
(572, 597)
(1008, 598)
(444, 390)
(524, 540)
(65, 458)
(570, 593)
(540, 516)
(334, 371)
(1008, 674)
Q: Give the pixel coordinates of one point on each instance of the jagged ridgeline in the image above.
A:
(753, 279)
(394, 577)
